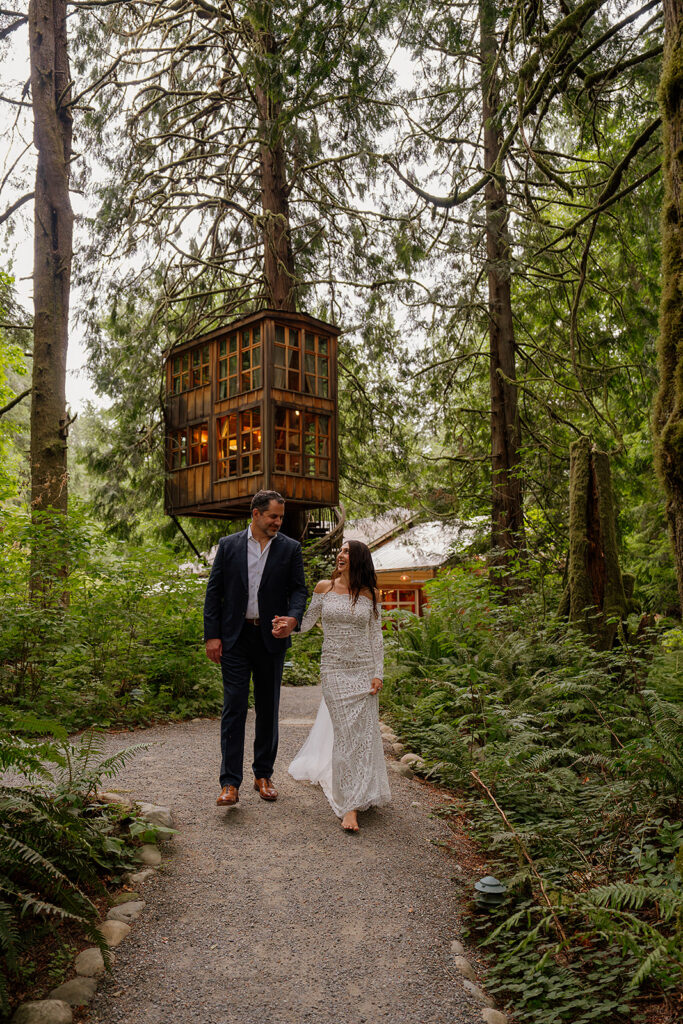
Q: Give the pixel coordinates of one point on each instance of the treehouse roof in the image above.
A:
(298, 319)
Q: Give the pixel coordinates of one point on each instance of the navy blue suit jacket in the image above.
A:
(282, 590)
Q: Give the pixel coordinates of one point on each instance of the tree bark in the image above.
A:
(278, 263)
(595, 598)
(53, 236)
(668, 411)
(507, 522)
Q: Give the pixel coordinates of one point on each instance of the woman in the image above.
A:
(343, 752)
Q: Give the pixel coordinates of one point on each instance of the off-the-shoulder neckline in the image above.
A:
(337, 594)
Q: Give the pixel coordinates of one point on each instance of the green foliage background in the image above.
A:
(581, 751)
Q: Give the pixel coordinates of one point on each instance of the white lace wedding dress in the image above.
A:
(344, 752)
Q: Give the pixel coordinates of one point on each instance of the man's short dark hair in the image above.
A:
(262, 499)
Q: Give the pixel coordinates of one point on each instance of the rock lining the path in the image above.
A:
(477, 992)
(124, 897)
(43, 1011)
(150, 855)
(77, 992)
(139, 877)
(156, 814)
(457, 948)
(493, 1016)
(465, 968)
(126, 912)
(90, 963)
(402, 769)
(113, 932)
(112, 797)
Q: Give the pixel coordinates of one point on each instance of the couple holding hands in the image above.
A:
(255, 599)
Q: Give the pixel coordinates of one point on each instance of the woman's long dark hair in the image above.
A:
(362, 573)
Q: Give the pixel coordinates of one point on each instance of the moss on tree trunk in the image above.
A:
(594, 599)
(668, 412)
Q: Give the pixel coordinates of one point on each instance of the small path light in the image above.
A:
(490, 892)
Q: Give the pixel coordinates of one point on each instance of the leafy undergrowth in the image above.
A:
(61, 851)
(570, 766)
(119, 644)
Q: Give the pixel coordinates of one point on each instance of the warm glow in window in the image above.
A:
(287, 359)
(403, 600)
(199, 444)
(239, 444)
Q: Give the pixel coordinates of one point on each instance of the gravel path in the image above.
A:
(269, 913)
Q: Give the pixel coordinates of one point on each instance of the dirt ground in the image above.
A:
(269, 913)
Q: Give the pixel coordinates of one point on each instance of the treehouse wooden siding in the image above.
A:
(252, 405)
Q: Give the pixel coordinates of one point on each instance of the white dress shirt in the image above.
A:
(256, 563)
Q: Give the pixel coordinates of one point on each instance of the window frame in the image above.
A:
(254, 455)
(286, 368)
(287, 455)
(187, 367)
(320, 382)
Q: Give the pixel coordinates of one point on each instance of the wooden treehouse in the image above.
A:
(254, 405)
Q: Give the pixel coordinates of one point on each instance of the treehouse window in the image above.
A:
(227, 366)
(239, 362)
(239, 444)
(177, 449)
(316, 445)
(190, 370)
(199, 444)
(302, 443)
(287, 359)
(403, 600)
(316, 365)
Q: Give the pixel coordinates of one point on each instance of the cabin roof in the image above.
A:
(296, 319)
(418, 546)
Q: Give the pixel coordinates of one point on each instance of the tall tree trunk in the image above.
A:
(53, 236)
(668, 412)
(595, 598)
(277, 243)
(507, 523)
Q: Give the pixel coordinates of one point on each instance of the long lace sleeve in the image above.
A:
(377, 643)
(313, 613)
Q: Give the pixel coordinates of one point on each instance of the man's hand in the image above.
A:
(214, 649)
(283, 625)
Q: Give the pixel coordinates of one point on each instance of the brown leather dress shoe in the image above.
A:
(229, 796)
(266, 789)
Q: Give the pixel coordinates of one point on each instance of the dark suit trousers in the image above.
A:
(249, 657)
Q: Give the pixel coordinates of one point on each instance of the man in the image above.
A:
(256, 575)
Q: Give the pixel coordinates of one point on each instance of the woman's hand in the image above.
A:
(375, 685)
(283, 626)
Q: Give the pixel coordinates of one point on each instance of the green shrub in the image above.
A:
(581, 752)
(57, 842)
(122, 645)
